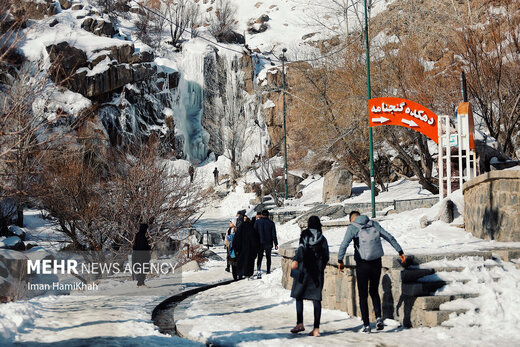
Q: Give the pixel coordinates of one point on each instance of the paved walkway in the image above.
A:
(119, 314)
(261, 313)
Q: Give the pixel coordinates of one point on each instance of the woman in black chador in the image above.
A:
(141, 253)
(245, 245)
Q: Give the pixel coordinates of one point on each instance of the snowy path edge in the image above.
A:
(161, 314)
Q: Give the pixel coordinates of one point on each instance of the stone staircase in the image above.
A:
(422, 289)
(434, 287)
(421, 305)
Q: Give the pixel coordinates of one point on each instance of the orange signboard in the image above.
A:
(405, 113)
(465, 109)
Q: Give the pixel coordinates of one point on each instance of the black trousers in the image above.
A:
(267, 250)
(317, 312)
(368, 274)
(140, 279)
(234, 272)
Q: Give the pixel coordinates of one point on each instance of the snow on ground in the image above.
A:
(43, 231)
(234, 202)
(439, 237)
(118, 313)
(497, 306)
(117, 310)
(292, 22)
(287, 232)
(261, 313)
(38, 35)
(399, 190)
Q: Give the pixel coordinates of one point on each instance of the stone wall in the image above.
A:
(398, 205)
(412, 204)
(363, 207)
(492, 206)
(340, 289)
(404, 296)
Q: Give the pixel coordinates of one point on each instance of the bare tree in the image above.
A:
(143, 189)
(271, 180)
(73, 197)
(491, 59)
(150, 27)
(223, 20)
(324, 96)
(23, 134)
(19, 144)
(100, 202)
(235, 130)
(181, 14)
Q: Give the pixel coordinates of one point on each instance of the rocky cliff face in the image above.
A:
(194, 106)
(216, 103)
(131, 92)
(228, 89)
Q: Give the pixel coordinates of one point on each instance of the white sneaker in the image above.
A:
(259, 275)
(367, 329)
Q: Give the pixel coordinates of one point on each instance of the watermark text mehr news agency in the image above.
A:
(71, 266)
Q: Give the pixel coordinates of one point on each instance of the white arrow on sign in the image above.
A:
(380, 120)
(410, 123)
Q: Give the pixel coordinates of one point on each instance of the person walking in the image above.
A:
(231, 256)
(308, 272)
(367, 254)
(215, 176)
(191, 171)
(141, 253)
(266, 231)
(245, 245)
(227, 244)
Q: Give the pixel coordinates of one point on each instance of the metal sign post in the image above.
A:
(370, 133)
(445, 141)
(463, 139)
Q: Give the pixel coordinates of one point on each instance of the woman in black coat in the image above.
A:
(308, 272)
(141, 253)
(245, 245)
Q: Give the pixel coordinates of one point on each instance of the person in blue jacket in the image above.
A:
(368, 272)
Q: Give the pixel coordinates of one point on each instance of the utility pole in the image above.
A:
(370, 135)
(284, 124)
(463, 87)
(260, 163)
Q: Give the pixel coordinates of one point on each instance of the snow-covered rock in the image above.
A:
(98, 26)
(13, 271)
(13, 243)
(190, 266)
(337, 186)
(17, 231)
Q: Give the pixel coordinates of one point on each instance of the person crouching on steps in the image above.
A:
(368, 252)
(308, 272)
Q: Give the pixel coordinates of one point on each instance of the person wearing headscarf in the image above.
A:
(141, 253)
(231, 256)
(308, 272)
(245, 245)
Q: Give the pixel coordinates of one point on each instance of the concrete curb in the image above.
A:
(163, 314)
